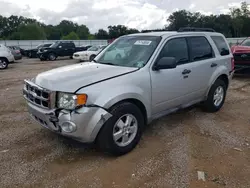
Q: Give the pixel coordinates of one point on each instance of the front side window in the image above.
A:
(176, 48)
(200, 48)
(129, 51)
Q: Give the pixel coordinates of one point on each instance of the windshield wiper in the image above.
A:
(106, 63)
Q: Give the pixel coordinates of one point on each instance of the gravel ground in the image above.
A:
(169, 155)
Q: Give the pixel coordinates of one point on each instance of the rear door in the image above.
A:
(70, 48)
(202, 65)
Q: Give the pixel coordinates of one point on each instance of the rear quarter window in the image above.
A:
(221, 45)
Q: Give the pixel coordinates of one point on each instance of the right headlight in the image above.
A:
(70, 101)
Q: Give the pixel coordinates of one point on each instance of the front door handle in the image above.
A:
(213, 64)
(186, 71)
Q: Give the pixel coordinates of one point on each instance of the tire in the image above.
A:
(106, 141)
(3, 63)
(52, 57)
(92, 57)
(30, 55)
(209, 105)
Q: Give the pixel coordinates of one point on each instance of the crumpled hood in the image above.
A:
(240, 49)
(72, 77)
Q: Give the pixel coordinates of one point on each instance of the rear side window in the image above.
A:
(221, 45)
(70, 45)
(176, 48)
(200, 48)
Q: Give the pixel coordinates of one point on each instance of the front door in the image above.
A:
(169, 86)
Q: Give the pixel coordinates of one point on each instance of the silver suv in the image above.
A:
(136, 79)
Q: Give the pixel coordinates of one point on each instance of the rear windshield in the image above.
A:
(221, 45)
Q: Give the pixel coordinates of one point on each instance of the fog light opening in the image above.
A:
(68, 127)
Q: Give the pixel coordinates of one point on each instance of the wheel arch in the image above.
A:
(136, 102)
(4, 58)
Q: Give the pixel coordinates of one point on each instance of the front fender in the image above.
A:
(111, 96)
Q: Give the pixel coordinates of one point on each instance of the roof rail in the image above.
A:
(186, 29)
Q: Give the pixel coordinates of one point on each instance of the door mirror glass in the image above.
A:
(166, 63)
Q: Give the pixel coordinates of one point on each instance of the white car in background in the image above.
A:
(6, 57)
(89, 54)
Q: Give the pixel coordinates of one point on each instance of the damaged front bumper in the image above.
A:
(83, 124)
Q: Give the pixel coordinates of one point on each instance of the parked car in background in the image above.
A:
(110, 102)
(22, 51)
(6, 57)
(32, 53)
(85, 47)
(241, 53)
(15, 52)
(58, 49)
(89, 54)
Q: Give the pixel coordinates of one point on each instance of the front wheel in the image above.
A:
(52, 57)
(122, 132)
(4, 63)
(216, 97)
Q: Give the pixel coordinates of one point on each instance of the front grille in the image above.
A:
(242, 57)
(37, 95)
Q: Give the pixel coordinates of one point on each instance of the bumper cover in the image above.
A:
(88, 121)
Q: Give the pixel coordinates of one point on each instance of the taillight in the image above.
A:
(232, 63)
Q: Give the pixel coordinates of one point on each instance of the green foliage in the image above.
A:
(102, 34)
(83, 32)
(91, 37)
(71, 36)
(234, 24)
(31, 32)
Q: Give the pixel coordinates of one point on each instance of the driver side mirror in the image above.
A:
(166, 63)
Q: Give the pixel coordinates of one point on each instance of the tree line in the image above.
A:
(234, 24)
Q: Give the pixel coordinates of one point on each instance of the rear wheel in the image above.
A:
(216, 97)
(122, 132)
(4, 63)
(52, 57)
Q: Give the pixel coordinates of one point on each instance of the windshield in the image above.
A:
(39, 46)
(54, 45)
(246, 42)
(129, 51)
(93, 48)
(47, 45)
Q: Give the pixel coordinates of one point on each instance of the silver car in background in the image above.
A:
(110, 100)
(16, 52)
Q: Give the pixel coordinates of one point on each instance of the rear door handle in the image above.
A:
(186, 71)
(213, 64)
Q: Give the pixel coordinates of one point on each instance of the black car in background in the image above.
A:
(59, 49)
(32, 53)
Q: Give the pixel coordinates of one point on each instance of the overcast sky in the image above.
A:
(139, 14)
